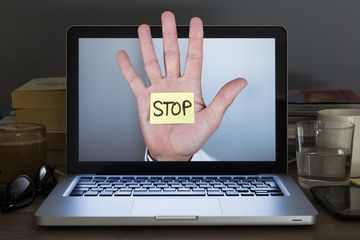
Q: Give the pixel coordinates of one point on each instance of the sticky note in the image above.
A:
(355, 181)
(172, 108)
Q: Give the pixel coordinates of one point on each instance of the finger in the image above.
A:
(133, 79)
(224, 99)
(171, 46)
(151, 63)
(194, 57)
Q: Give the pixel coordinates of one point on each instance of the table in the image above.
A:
(21, 225)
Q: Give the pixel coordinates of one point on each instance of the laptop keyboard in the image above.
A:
(118, 186)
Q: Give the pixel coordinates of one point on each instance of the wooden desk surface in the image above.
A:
(21, 225)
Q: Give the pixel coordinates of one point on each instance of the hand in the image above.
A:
(176, 142)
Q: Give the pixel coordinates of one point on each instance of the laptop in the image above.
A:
(240, 177)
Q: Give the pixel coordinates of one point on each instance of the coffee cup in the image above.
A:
(22, 150)
(352, 116)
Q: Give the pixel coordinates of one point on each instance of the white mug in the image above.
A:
(347, 115)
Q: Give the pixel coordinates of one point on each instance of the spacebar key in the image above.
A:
(169, 193)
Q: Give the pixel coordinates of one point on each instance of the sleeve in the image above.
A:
(199, 156)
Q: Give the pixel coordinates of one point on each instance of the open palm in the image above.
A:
(176, 142)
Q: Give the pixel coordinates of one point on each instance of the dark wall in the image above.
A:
(324, 36)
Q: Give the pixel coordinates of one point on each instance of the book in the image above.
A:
(40, 93)
(305, 103)
(53, 119)
(8, 119)
(322, 96)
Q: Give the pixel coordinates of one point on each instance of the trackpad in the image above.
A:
(176, 207)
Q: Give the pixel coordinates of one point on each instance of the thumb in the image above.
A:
(225, 97)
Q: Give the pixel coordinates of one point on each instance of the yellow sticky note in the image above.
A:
(172, 108)
(355, 181)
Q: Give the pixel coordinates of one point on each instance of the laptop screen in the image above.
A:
(109, 128)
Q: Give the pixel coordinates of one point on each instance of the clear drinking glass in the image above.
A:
(23, 149)
(323, 152)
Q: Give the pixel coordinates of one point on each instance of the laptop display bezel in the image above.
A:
(74, 166)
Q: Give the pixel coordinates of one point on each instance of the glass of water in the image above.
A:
(323, 152)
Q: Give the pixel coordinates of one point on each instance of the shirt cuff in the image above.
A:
(148, 157)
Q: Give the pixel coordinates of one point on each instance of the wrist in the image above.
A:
(158, 157)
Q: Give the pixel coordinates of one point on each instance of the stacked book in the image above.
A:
(304, 104)
(43, 100)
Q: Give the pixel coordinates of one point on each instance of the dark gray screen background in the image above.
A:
(109, 128)
(323, 35)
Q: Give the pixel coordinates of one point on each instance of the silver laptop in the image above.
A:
(240, 174)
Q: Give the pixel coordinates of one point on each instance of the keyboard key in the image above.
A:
(125, 189)
(133, 185)
(155, 178)
(154, 189)
(257, 183)
(146, 184)
(77, 193)
(266, 189)
(122, 193)
(247, 194)
(221, 179)
(197, 178)
(86, 186)
(265, 178)
(99, 178)
(140, 190)
(142, 178)
(92, 193)
(127, 178)
(242, 190)
(261, 194)
(253, 178)
(183, 178)
(213, 189)
(86, 177)
(85, 182)
(81, 189)
(238, 178)
(216, 193)
(212, 178)
(232, 193)
(112, 180)
(106, 194)
(229, 183)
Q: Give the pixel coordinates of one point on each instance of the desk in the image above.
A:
(21, 225)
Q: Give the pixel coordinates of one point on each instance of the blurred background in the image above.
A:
(323, 35)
